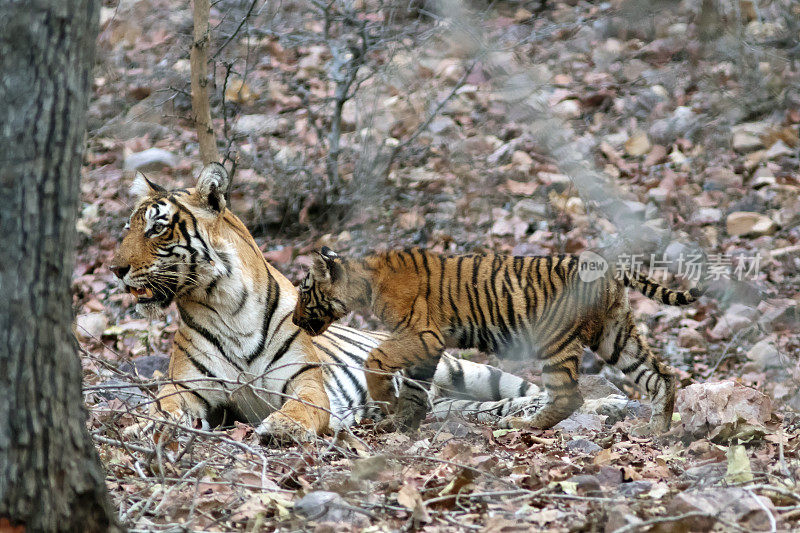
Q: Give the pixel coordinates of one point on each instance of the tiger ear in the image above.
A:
(327, 265)
(142, 186)
(211, 186)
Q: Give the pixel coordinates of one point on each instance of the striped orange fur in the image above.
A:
(236, 350)
(536, 306)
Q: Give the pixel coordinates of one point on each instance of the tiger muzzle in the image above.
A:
(312, 326)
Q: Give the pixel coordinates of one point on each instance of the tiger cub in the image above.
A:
(537, 306)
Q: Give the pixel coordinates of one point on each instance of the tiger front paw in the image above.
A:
(282, 429)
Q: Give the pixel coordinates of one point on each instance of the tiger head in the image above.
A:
(168, 250)
(322, 294)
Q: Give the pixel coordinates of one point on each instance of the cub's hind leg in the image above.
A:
(560, 377)
(624, 347)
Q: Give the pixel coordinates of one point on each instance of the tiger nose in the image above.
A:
(119, 270)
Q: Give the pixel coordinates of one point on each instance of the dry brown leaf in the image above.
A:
(410, 497)
(638, 144)
(239, 92)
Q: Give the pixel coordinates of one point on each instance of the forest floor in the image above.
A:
(690, 114)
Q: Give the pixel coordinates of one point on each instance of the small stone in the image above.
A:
(442, 125)
(586, 485)
(522, 15)
(122, 390)
(745, 142)
(521, 159)
(690, 338)
(595, 387)
(258, 125)
(580, 423)
(583, 446)
(150, 160)
(638, 144)
(706, 215)
(749, 224)
(682, 123)
(778, 149)
(568, 109)
(678, 30)
(634, 488)
(146, 366)
(528, 209)
(764, 355)
(658, 195)
(763, 177)
(735, 319)
(324, 506)
(724, 177)
(706, 474)
(91, 325)
(761, 31)
(733, 504)
(551, 178)
(616, 139)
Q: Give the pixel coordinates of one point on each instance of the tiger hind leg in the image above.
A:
(560, 378)
(624, 347)
(412, 398)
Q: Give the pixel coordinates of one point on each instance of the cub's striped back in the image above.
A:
(536, 306)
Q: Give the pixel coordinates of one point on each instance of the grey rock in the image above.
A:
(149, 160)
(258, 125)
(441, 125)
(586, 485)
(596, 386)
(324, 506)
(733, 504)
(145, 366)
(583, 446)
(609, 476)
(528, 209)
(634, 488)
(123, 391)
(637, 409)
(707, 474)
(580, 423)
(682, 123)
(706, 215)
(91, 325)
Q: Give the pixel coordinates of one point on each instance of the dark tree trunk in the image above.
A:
(50, 475)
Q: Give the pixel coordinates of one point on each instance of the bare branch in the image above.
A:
(201, 109)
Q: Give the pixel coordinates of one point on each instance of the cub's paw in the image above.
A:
(278, 428)
(523, 411)
(660, 422)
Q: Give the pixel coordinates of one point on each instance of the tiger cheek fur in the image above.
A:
(536, 305)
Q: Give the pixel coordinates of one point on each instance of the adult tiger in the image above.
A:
(236, 346)
(543, 306)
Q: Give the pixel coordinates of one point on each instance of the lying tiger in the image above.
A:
(236, 347)
(532, 305)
